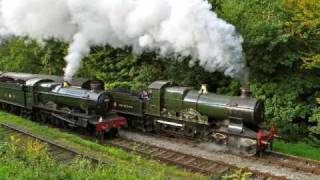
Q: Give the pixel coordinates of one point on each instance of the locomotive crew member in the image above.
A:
(144, 95)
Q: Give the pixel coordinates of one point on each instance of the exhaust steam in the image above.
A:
(171, 27)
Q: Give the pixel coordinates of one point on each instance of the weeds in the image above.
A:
(34, 162)
(238, 175)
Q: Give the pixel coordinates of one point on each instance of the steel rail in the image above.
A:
(290, 161)
(295, 163)
(197, 164)
(187, 161)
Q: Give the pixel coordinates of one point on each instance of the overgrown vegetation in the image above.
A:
(34, 162)
(282, 47)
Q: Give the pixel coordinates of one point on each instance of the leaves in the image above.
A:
(303, 25)
(288, 100)
(24, 55)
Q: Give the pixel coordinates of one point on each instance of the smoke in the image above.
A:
(171, 27)
(4, 32)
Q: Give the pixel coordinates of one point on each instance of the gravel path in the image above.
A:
(209, 151)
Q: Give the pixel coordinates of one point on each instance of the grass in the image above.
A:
(297, 149)
(33, 162)
(125, 165)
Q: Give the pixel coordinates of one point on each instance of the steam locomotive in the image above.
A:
(165, 107)
(183, 111)
(46, 98)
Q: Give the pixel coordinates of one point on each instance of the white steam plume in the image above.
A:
(4, 32)
(172, 27)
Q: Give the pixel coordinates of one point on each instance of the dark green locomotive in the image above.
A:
(164, 106)
(184, 111)
(45, 98)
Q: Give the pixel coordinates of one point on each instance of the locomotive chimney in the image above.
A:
(203, 89)
(245, 91)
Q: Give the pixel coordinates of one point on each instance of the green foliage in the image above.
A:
(23, 55)
(180, 71)
(288, 101)
(3, 147)
(20, 54)
(315, 118)
(121, 69)
(303, 25)
(52, 59)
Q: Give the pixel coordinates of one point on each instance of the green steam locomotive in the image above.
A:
(183, 111)
(45, 98)
(165, 107)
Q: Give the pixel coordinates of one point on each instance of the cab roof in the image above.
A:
(159, 84)
(23, 78)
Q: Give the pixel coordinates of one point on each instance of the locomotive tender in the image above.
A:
(45, 98)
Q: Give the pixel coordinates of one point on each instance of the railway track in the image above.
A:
(275, 159)
(57, 151)
(65, 154)
(186, 161)
(291, 162)
(282, 160)
(189, 162)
